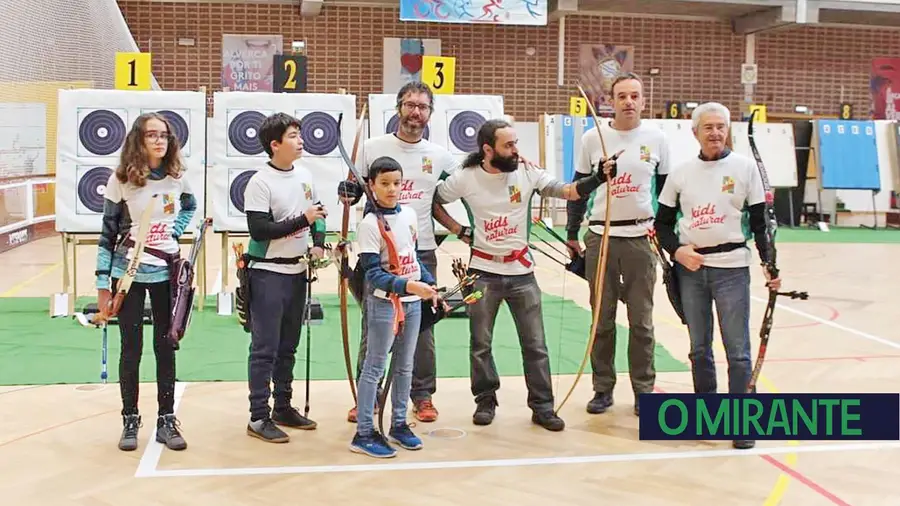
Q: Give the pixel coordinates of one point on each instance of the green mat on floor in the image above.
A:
(36, 349)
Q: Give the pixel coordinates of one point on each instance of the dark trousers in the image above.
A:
(631, 261)
(523, 297)
(131, 328)
(277, 307)
(424, 379)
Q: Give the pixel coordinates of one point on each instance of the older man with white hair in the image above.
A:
(712, 258)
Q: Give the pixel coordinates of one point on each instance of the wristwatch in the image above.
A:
(464, 231)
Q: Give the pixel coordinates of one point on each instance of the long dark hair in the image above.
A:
(487, 134)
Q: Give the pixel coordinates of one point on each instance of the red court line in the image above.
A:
(832, 317)
(804, 480)
(858, 358)
(794, 474)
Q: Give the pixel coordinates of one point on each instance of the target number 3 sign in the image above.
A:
(132, 71)
(439, 73)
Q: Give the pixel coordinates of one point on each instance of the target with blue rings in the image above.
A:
(463, 130)
(102, 132)
(92, 188)
(243, 132)
(238, 186)
(180, 127)
(320, 133)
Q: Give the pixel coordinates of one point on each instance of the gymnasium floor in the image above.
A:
(58, 442)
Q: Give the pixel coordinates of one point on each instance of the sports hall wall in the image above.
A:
(700, 60)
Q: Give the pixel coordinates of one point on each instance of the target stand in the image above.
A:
(63, 303)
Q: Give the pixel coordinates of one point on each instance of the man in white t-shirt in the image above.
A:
(424, 165)
(283, 209)
(497, 194)
(710, 249)
(631, 266)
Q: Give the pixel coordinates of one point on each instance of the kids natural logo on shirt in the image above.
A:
(498, 228)
(413, 234)
(307, 191)
(407, 191)
(645, 154)
(515, 196)
(704, 217)
(168, 203)
(408, 265)
(728, 185)
(427, 166)
(622, 186)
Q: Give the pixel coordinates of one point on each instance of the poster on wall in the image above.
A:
(247, 61)
(884, 86)
(492, 12)
(402, 60)
(599, 64)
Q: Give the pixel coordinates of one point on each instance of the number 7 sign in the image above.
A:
(439, 73)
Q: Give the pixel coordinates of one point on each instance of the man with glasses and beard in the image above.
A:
(631, 267)
(497, 194)
(424, 164)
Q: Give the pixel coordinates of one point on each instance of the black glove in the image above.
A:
(612, 174)
(350, 189)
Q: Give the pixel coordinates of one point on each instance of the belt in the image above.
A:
(162, 255)
(721, 248)
(519, 255)
(381, 294)
(620, 223)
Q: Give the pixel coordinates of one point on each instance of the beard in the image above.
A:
(505, 163)
(412, 126)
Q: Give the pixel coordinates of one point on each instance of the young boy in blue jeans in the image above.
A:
(397, 286)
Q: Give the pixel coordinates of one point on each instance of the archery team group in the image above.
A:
(408, 180)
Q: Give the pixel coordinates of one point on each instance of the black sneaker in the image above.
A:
(266, 430)
(484, 412)
(291, 417)
(168, 434)
(600, 403)
(548, 420)
(129, 442)
(743, 444)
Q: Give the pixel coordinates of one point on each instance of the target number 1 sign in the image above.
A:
(439, 73)
(132, 71)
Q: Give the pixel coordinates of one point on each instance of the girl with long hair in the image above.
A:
(151, 166)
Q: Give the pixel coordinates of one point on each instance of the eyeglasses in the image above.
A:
(409, 106)
(154, 136)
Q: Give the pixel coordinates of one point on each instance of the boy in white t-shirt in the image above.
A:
(497, 193)
(710, 250)
(398, 284)
(283, 209)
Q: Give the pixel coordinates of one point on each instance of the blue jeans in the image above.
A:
(730, 290)
(379, 329)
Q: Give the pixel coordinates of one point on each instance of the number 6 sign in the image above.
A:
(439, 73)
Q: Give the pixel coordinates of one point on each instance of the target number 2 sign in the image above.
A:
(439, 73)
(132, 71)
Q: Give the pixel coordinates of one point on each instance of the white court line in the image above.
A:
(153, 450)
(587, 459)
(886, 342)
(217, 285)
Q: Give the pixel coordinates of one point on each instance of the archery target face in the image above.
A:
(319, 131)
(90, 188)
(237, 184)
(101, 132)
(462, 129)
(392, 123)
(180, 120)
(243, 132)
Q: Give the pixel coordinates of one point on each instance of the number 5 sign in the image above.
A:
(439, 73)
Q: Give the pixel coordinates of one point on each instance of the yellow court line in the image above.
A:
(781, 485)
(18, 287)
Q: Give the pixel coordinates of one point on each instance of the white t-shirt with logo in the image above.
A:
(712, 196)
(645, 155)
(162, 221)
(499, 205)
(424, 164)
(405, 229)
(287, 194)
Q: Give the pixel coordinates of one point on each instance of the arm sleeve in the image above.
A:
(320, 226)
(666, 216)
(758, 227)
(187, 209)
(113, 207)
(370, 257)
(263, 227)
(451, 189)
(449, 165)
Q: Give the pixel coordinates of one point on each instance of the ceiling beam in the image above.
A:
(769, 19)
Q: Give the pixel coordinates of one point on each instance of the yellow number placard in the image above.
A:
(439, 73)
(577, 106)
(761, 113)
(133, 71)
(846, 111)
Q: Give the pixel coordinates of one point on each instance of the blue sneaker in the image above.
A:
(403, 436)
(373, 445)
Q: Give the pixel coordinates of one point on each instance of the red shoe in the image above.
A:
(425, 411)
